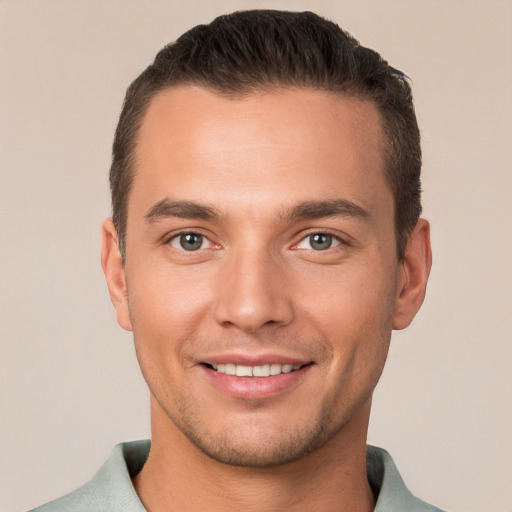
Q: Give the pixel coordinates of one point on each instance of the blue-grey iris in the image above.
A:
(320, 241)
(191, 241)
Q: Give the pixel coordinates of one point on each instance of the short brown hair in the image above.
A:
(264, 49)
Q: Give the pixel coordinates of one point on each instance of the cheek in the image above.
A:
(166, 309)
(165, 314)
(353, 296)
(159, 293)
(354, 312)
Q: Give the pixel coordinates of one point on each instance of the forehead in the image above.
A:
(279, 146)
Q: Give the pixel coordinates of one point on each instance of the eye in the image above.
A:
(189, 242)
(319, 242)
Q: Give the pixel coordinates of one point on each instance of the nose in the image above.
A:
(253, 292)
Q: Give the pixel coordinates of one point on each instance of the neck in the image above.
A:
(178, 476)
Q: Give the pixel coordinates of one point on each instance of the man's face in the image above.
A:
(260, 239)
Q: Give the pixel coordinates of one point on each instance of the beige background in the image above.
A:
(69, 383)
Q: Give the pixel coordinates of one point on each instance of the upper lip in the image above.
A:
(254, 359)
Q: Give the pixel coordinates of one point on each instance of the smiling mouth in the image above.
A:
(265, 370)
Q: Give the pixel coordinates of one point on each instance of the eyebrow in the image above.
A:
(321, 209)
(167, 208)
(182, 209)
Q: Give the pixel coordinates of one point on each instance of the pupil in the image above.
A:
(191, 241)
(321, 241)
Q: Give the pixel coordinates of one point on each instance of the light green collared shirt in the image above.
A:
(111, 489)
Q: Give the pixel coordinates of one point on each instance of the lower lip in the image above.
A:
(255, 388)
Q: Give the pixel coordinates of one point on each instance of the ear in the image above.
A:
(413, 275)
(113, 268)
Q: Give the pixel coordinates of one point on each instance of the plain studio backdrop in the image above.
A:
(70, 387)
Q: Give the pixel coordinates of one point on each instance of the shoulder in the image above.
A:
(388, 485)
(111, 487)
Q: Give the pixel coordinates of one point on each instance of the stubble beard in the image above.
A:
(277, 445)
(265, 448)
(262, 447)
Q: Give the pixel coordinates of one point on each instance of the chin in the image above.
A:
(266, 451)
(258, 444)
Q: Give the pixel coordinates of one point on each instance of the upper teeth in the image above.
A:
(264, 370)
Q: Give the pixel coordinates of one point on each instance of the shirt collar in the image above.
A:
(127, 459)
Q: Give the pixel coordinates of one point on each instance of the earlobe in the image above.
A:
(113, 268)
(413, 275)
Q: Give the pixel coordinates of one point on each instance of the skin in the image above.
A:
(257, 288)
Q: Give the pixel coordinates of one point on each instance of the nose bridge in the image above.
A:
(252, 290)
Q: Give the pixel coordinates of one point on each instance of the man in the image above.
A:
(265, 241)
